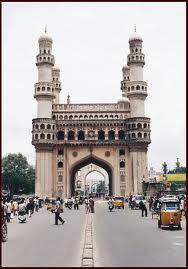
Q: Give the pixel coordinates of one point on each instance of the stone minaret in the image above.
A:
(44, 126)
(138, 126)
(55, 77)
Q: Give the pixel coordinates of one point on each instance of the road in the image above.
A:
(41, 243)
(124, 238)
(121, 238)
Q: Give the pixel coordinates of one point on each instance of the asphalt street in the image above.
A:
(121, 238)
(124, 238)
(41, 243)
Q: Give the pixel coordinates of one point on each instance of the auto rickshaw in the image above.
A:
(170, 213)
(119, 202)
(51, 204)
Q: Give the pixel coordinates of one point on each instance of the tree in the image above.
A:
(179, 170)
(17, 174)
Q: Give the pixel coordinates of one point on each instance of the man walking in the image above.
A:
(91, 203)
(76, 203)
(143, 208)
(58, 211)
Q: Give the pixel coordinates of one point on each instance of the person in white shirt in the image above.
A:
(9, 210)
(15, 203)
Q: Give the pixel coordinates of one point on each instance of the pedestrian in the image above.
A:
(130, 200)
(91, 204)
(36, 204)
(9, 209)
(15, 208)
(30, 207)
(58, 211)
(76, 203)
(150, 202)
(143, 208)
(87, 205)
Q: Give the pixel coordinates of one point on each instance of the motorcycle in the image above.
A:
(111, 207)
(22, 216)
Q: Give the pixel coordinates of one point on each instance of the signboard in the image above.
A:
(172, 177)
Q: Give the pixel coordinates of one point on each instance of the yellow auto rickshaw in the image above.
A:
(169, 214)
(119, 202)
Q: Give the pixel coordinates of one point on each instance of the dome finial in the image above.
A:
(135, 28)
(45, 29)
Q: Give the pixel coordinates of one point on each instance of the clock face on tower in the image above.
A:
(91, 133)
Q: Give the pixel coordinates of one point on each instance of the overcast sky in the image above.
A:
(90, 45)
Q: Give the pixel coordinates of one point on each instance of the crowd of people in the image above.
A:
(28, 205)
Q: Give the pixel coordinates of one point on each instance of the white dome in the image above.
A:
(124, 100)
(45, 37)
(135, 36)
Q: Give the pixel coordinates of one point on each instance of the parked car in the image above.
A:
(137, 200)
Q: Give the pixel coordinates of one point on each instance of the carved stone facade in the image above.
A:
(69, 136)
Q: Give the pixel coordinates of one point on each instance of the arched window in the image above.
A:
(137, 58)
(48, 88)
(44, 58)
(60, 165)
(43, 88)
(53, 137)
(133, 135)
(121, 135)
(145, 125)
(132, 88)
(90, 117)
(138, 87)
(60, 152)
(70, 135)
(133, 125)
(122, 164)
(48, 136)
(132, 57)
(145, 135)
(96, 117)
(65, 118)
(111, 135)
(44, 51)
(106, 116)
(136, 50)
(75, 117)
(128, 77)
(139, 125)
(38, 89)
(42, 126)
(36, 136)
(60, 178)
(101, 116)
(139, 135)
(70, 117)
(78, 184)
(53, 117)
(49, 126)
(60, 135)
(36, 126)
(48, 58)
(129, 126)
(140, 57)
(101, 135)
(85, 117)
(121, 152)
(80, 117)
(111, 116)
(116, 116)
(143, 88)
(132, 51)
(81, 135)
(122, 178)
(42, 136)
(53, 127)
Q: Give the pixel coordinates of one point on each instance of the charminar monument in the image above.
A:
(112, 136)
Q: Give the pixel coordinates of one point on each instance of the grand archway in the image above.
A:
(87, 161)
